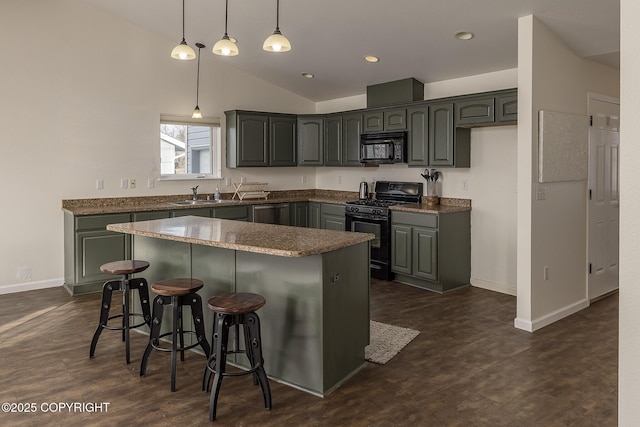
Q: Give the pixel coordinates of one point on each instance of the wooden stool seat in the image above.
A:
(181, 286)
(124, 267)
(236, 303)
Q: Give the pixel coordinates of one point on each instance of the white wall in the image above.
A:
(629, 344)
(551, 232)
(491, 181)
(82, 93)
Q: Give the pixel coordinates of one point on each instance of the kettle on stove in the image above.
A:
(364, 190)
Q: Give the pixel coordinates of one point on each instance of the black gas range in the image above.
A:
(374, 216)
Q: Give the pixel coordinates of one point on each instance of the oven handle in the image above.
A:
(351, 215)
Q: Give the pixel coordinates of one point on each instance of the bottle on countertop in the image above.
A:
(216, 196)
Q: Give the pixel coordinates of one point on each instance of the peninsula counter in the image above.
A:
(315, 325)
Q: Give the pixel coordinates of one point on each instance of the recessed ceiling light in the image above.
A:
(308, 75)
(371, 58)
(464, 35)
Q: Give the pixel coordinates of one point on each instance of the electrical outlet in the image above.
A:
(124, 183)
(545, 272)
(99, 184)
(243, 180)
(541, 193)
(303, 179)
(227, 182)
(465, 185)
(132, 183)
(151, 183)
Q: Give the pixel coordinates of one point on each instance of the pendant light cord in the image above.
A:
(226, 16)
(182, 19)
(277, 15)
(198, 81)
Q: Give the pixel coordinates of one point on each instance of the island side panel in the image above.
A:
(291, 321)
(345, 312)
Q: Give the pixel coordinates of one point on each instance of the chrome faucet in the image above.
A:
(195, 192)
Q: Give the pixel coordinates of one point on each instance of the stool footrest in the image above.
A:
(120, 328)
(166, 349)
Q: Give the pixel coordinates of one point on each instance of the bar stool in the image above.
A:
(235, 309)
(177, 293)
(125, 268)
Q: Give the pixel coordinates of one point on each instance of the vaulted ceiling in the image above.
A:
(412, 38)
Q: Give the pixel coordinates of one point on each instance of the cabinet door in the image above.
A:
(395, 119)
(253, 140)
(282, 142)
(205, 212)
(351, 130)
(373, 121)
(300, 214)
(146, 216)
(507, 106)
(310, 141)
(236, 213)
(95, 248)
(314, 215)
(425, 253)
(401, 249)
(418, 135)
(441, 134)
(333, 141)
(477, 111)
(332, 222)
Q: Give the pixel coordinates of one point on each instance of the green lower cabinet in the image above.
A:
(425, 253)
(236, 213)
(314, 215)
(88, 245)
(205, 212)
(431, 251)
(332, 217)
(299, 214)
(146, 216)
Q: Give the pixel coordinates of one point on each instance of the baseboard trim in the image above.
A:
(547, 319)
(496, 287)
(30, 286)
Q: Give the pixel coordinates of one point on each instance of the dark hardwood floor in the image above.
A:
(468, 367)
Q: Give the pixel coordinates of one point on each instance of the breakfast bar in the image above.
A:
(315, 324)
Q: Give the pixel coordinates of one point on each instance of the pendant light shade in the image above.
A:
(197, 114)
(225, 46)
(276, 42)
(183, 51)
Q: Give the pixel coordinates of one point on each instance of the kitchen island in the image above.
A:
(316, 283)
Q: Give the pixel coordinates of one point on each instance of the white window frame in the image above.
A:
(215, 149)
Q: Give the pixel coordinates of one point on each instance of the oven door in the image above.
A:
(380, 246)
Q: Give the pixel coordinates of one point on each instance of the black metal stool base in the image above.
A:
(177, 333)
(125, 285)
(217, 361)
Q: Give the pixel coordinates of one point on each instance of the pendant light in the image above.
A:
(197, 114)
(183, 51)
(225, 46)
(276, 42)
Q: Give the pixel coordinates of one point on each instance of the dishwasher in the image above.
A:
(271, 214)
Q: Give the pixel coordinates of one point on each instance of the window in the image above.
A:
(189, 148)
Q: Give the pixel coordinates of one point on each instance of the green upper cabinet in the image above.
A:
(260, 139)
(475, 111)
(333, 140)
(389, 119)
(418, 136)
(507, 108)
(310, 141)
(283, 146)
(448, 144)
(351, 130)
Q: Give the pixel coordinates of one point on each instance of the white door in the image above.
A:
(604, 195)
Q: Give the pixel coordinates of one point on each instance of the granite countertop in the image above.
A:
(279, 240)
(80, 207)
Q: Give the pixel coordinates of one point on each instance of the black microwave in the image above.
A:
(388, 147)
